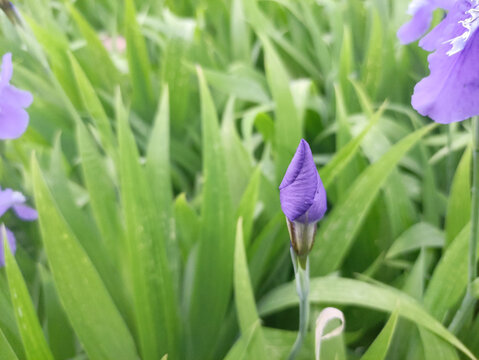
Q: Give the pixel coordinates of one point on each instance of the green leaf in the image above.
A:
(327, 290)
(337, 232)
(449, 279)
(459, 204)
(36, 347)
(87, 303)
(240, 33)
(379, 348)
(417, 236)
(176, 74)
(61, 337)
(346, 64)
(56, 46)
(372, 67)
(288, 126)
(92, 104)
(102, 192)
(243, 88)
(138, 63)
(436, 348)
(216, 244)
(239, 351)
(6, 351)
(343, 156)
(244, 296)
(99, 61)
(159, 179)
(187, 225)
(8, 324)
(238, 161)
(247, 206)
(153, 292)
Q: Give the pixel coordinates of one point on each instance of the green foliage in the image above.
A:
(157, 126)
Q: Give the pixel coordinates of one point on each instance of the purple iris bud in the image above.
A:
(421, 12)
(13, 101)
(303, 199)
(451, 92)
(14, 200)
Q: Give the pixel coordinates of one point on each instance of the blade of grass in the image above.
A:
(6, 351)
(343, 291)
(153, 292)
(93, 105)
(338, 230)
(244, 296)
(459, 204)
(99, 61)
(158, 173)
(34, 342)
(288, 126)
(379, 348)
(87, 303)
(138, 63)
(216, 244)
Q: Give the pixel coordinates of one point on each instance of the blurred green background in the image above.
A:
(160, 131)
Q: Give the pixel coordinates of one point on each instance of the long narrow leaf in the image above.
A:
(87, 303)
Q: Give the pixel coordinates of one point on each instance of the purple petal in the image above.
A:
(11, 242)
(7, 69)
(7, 199)
(417, 26)
(451, 92)
(25, 212)
(301, 186)
(448, 28)
(318, 208)
(11, 95)
(13, 121)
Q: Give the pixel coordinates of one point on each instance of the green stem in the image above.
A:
(469, 300)
(301, 274)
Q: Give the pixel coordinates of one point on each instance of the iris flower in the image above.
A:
(451, 91)
(303, 199)
(421, 12)
(14, 200)
(13, 101)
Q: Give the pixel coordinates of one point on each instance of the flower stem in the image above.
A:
(301, 273)
(469, 300)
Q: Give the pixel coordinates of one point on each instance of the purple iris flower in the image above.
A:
(451, 92)
(303, 199)
(14, 200)
(13, 101)
(421, 12)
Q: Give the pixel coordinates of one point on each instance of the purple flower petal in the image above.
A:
(449, 28)
(319, 206)
(7, 69)
(13, 117)
(6, 200)
(302, 194)
(16, 200)
(13, 121)
(11, 242)
(451, 92)
(422, 12)
(417, 26)
(12, 95)
(25, 212)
